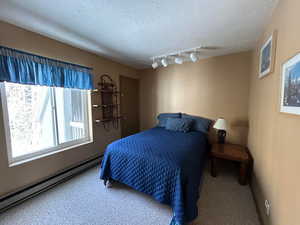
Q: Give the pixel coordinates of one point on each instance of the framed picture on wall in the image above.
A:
(290, 86)
(267, 56)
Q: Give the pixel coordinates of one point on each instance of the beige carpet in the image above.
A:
(83, 200)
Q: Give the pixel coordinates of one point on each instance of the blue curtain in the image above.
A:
(25, 68)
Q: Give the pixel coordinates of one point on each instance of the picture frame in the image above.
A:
(290, 86)
(267, 56)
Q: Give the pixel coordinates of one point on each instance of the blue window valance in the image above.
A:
(25, 68)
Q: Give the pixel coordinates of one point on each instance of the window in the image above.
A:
(39, 119)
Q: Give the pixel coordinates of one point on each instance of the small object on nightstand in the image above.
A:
(221, 126)
(233, 153)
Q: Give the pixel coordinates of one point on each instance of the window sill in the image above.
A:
(19, 162)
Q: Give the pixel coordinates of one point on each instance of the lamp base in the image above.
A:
(221, 136)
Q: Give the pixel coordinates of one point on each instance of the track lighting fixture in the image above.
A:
(164, 62)
(179, 57)
(178, 60)
(193, 57)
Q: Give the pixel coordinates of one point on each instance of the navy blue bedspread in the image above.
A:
(165, 164)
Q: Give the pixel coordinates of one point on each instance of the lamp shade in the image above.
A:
(164, 62)
(178, 60)
(220, 124)
(193, 57)
(154, 65)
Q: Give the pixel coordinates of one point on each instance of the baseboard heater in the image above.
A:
(13, 199)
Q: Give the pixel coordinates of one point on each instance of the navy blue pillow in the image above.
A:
(179, 124)
(162, 118)
(200, 123)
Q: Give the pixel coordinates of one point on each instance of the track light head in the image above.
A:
(154, 65)
(178, 60)
(193, 56)
(164, 62)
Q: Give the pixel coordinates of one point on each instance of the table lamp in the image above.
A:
(221, 126)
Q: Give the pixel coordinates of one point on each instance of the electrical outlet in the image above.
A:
(268, 207)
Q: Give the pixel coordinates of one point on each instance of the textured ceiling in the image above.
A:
(132, 31)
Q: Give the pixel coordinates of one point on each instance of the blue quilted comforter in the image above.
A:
(164, 164)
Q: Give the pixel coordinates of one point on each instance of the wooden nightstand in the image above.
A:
(233, 153)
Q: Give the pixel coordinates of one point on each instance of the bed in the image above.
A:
(165, 164)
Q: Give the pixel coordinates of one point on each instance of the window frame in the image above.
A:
(12, 161)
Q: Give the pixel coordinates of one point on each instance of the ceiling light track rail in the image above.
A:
(179, 57)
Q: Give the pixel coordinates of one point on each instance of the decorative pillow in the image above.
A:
(179, 124)
(162, 118)
(200, 123)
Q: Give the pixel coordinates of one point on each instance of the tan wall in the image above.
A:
(13, 178)
(274, 136)
(212, 88)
